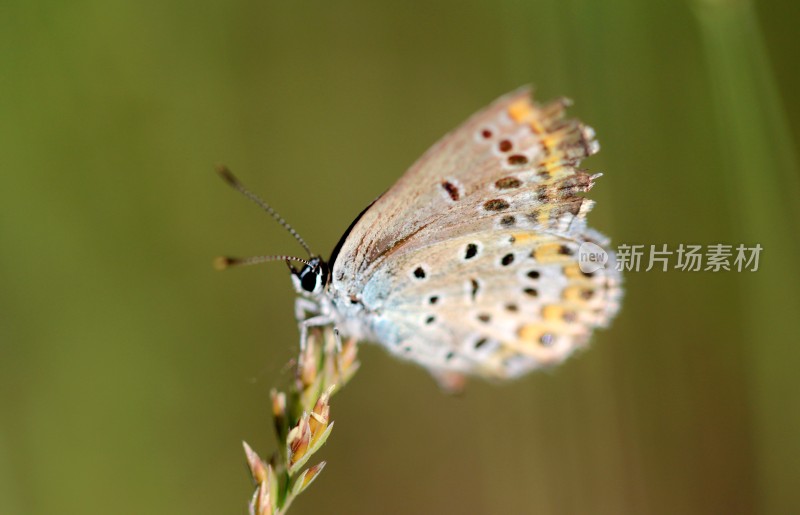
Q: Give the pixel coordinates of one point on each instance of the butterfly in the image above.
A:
(468, 265)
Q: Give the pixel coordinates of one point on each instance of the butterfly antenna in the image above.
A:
(223, 262)
(231, 179)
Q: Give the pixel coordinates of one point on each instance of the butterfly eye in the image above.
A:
(313, 276)
(308, 279)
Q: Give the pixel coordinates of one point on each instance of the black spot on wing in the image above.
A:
(496, 204)
(508, 221)
(451, 190)
(507, 183)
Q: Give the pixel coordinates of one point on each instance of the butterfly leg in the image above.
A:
(338, 338)
(315, 321)
(304, 307)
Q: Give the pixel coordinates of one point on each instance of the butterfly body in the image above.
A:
(468, 264)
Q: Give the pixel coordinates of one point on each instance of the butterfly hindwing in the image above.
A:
(496, 304)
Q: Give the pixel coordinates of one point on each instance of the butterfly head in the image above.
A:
(312, 278)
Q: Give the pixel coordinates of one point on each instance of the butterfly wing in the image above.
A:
(519, 302)
(518, 157)
(445, 261)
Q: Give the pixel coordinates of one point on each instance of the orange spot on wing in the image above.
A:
(579, 294)
(530, 343)
(551, 141)
(544, 216)
(520, 110)
(536, 126)
(526, 237)
(530, 333)
(547, 253)
(553, 312)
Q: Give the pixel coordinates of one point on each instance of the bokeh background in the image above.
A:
(130, 370)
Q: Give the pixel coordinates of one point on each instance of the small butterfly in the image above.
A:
(468, 265)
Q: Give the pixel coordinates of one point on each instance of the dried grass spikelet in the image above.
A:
(302, 421)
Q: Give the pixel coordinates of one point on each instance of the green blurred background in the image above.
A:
(130, 370)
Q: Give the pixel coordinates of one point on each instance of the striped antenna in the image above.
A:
(231, 179)
(223, 262)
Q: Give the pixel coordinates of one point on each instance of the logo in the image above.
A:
(591, 257)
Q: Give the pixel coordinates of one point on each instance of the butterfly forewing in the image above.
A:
(513, 157)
